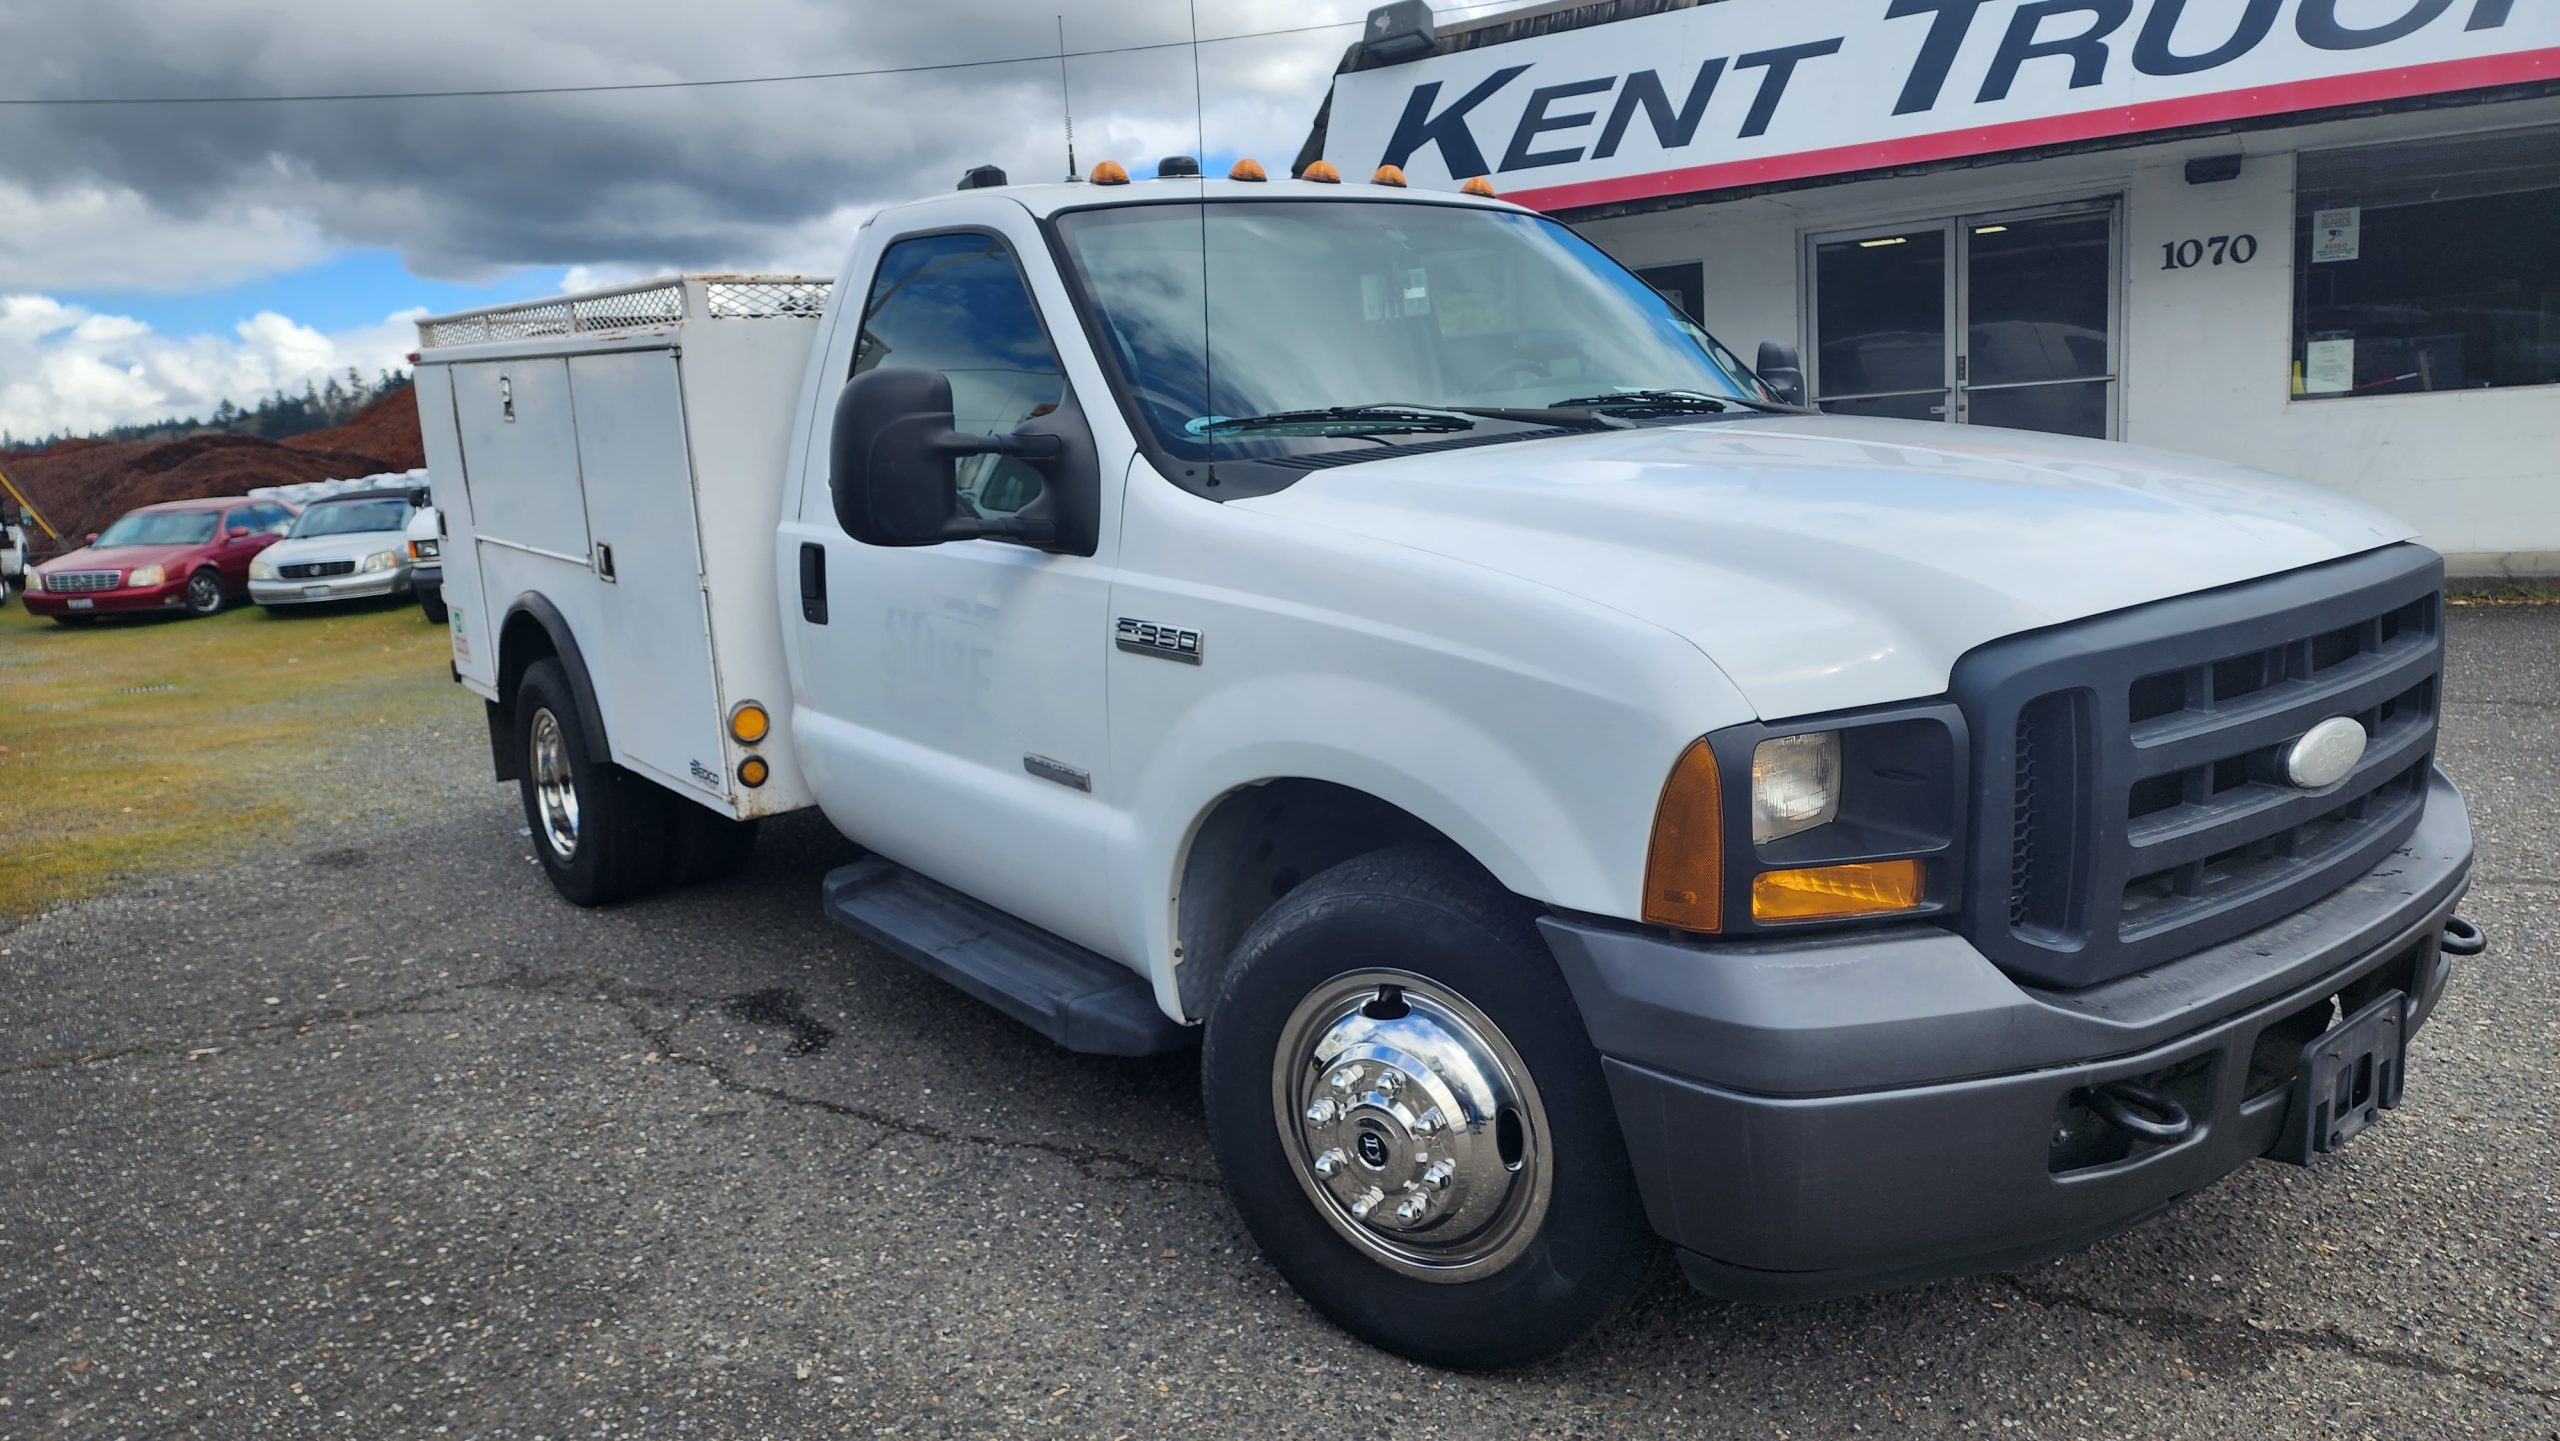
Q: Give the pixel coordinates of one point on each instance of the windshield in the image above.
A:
(160, 527)
(1317, 305)
(352, 517)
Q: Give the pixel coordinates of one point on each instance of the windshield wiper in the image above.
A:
(1350, 420)
(1671, 402)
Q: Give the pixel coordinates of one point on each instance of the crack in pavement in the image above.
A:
(632, 1004)
(2260, 1344)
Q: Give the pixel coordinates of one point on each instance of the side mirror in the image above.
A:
(1783, 368)
(93, 538)
(893, 464)
(239, 532)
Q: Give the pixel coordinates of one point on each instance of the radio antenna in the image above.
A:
(1067, 103)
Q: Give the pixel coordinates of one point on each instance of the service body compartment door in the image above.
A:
(475, 641)
(520, 444)
(650, 654)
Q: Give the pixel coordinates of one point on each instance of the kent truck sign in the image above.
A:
(1753, 92)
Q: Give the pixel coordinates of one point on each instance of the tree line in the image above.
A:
(280, 415)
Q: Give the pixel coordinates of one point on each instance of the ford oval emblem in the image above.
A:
(2326, 754)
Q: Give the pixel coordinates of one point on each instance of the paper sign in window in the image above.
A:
(2329, 368)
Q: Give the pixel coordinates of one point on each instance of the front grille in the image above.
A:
(73, 582)
(315, 570)
(2136, 763)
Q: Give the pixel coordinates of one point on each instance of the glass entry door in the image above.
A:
(2005, 320)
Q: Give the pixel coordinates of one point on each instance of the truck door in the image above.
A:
(952, 715)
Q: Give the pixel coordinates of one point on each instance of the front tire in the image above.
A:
(432, 603)
(598, 830)
(1412, 1120)
(204, 593)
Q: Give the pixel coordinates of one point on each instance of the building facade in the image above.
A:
(2321, 237)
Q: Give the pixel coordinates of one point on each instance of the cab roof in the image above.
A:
(1045, 200)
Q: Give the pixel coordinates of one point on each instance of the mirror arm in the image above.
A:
(1021, 447)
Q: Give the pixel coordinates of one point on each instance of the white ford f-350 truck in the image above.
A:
(1571, 795)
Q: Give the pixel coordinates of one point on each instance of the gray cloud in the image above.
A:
(749, 176)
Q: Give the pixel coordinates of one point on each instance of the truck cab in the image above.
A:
(1575, 797)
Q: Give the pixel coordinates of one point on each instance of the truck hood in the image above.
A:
(1829, 562)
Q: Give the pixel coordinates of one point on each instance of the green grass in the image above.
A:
(129, 746)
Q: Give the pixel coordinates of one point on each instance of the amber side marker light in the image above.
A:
(1322, 173)
(749, 723)
(1834, 893)
(1684, 868)
(1110, 172)
(753, 772)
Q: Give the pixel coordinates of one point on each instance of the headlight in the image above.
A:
(381, 560)
(147, 575)
(262, 569)
(1795, 785)
(422, 550)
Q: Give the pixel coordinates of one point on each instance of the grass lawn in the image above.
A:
(129, 745)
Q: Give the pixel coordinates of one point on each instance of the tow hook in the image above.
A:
(2463, 937)
(2139, 1110)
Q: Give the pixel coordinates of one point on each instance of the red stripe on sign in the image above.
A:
(2446, 77)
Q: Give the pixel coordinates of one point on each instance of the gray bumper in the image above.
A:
(334, 588)
(1878, 1108)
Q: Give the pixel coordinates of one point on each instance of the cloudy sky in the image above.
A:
(155, 259)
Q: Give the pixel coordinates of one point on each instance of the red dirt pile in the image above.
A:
(80, 485)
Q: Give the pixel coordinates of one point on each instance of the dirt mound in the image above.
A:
(387, 429)
(80, 485)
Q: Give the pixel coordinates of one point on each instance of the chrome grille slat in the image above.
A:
(76, 582)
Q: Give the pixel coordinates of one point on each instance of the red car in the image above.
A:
(190, 555)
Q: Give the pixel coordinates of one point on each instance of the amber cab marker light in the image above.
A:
(1684, 869)
(753, 772)
(1388, 175)
(1836, 893)
(1322, 173)
(1110, 172)
(749, 723)
(1478, 186)
(1247, 170)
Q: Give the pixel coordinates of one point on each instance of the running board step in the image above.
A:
(1065, 992)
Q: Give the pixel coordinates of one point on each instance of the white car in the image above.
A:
(347, 547)
(425, 540)
(13, 557)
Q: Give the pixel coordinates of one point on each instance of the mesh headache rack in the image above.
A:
(667, 301)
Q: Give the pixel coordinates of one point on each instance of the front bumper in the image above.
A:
(329, 589)
(1880, 1108)
(127, 600)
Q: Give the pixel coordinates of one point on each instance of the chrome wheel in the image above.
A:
(554, 788)
(1413, 1125)
(204, 593)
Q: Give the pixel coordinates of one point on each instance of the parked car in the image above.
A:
(13, 557)
(347, 547)
(189, 555)
(426, 561)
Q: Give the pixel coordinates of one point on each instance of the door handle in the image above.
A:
(813, 583)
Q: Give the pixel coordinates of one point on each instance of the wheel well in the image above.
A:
(1257, 844)
(521, 642)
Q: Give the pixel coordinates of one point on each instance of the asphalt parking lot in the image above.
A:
(371, 1135)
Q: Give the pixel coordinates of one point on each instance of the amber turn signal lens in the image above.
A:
(1321, 172)
(1684, 870)
(753, 772)
(1110, 172)
(1478, 186)
(1388, 175)
(749, 723)
(1247, 170)
(1833, 893)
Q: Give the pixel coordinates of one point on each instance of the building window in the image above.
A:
(2428, 266)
